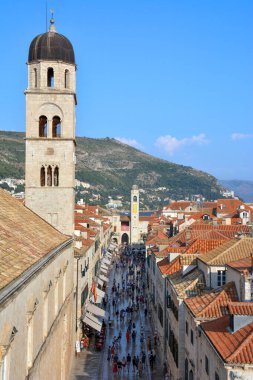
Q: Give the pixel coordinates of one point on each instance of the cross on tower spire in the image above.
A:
(52, 27)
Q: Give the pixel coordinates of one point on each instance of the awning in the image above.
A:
(108, 254)
(103, 278)
(106, 261)
(100, 293)
(104, 271)
(96, 310)
(100, 282)
(92, 322)
(103, 266)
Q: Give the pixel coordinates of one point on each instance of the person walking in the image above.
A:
(124, 362)
(115, 369)
(128, 336)
(140, 368)
(128, 362)
(154, 355)
(143, 359)
(109, 353)
(151, 361)
(134, 363)
(149, 344)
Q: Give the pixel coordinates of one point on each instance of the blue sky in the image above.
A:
(171, 77)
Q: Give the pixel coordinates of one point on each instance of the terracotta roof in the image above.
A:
(181, 205)
(242, 265)
(227, 230)
(230, 251)
(203, 246)
(234, 348)
(229, 206)
(159, 238)
(25, 238)
(168, 267)
(186, 285)
(240, 308)
(212, 304)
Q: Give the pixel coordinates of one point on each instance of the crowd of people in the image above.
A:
(128, 314)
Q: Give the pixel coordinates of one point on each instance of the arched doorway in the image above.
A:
(191, 377)
(124, 238)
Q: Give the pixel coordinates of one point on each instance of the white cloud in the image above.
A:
(131, 142)
(241, 136)
(170, 144)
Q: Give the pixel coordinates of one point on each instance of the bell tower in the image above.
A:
(50, 129)
(135, 228)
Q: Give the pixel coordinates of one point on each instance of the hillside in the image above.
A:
(112, 168)
(243, 189)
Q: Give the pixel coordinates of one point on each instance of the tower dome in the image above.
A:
(51, 46)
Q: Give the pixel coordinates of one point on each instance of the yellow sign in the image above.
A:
(134, 208)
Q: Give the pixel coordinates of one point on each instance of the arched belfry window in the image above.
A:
(66, 79)
(135, 198)
(49, 176)
(35, 78)
(42, 176)
(43, 126)
(56, 127)
(50, 77)
(56, 176)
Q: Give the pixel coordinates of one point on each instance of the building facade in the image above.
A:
(50, 130)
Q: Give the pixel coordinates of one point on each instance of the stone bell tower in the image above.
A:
(135, 228)
(50, 130)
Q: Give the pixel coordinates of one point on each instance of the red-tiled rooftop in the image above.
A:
(25, 238)
(230, 251)
(243, 265)
(212, 304)
(234, 348)
(168, 267)
(240, 308)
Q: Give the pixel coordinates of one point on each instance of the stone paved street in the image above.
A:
(94, 365)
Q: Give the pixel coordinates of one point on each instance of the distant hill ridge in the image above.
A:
(112, 167)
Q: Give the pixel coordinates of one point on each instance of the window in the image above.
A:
(56, 176)
(206, 364)
(186, 369)
(135, 198)
(42, 126)
(35, 78)
(173, 346)
(50, 77)
(186, 328)
(66, 79)
(192, 341)
(56, 127)
(160, 314)
(221, 277)
(49, 176)
(216, 377)
(171, 305)
(42, 176)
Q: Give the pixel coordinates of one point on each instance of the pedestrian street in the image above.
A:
(129, 339)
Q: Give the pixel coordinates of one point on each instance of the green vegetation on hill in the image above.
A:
(112, 168)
